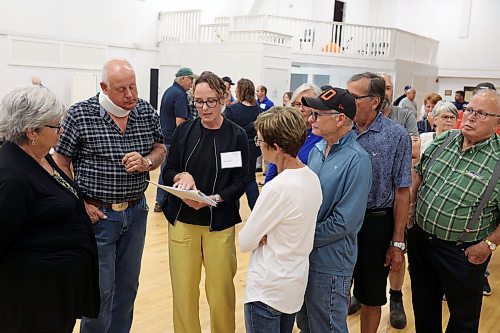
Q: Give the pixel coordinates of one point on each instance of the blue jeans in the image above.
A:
(325, 304)
(261, 318)
(120, 242)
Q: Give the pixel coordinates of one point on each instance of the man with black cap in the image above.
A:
(381, 238)
(174, 110)
(400, 98)
(228, 83)
(344, 170)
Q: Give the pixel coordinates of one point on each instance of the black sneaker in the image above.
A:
(354, 306)
(398, 315)
(157, 208)
(486, 287)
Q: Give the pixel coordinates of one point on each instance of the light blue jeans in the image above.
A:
(261, 318)
(120, 242)
(325, 304)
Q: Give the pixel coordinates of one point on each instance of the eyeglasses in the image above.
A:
(356, 98)
(314, 115)
(57, 127)
(480, 114)
(298, 105)
(211, 103)
(257, 141)
(451, 118)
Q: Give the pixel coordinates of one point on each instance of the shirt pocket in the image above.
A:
(470, 186)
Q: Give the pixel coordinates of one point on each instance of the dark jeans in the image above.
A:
(261, 318)
(436, 267)
(251, 189)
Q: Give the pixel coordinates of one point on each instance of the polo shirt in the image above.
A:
(389, 146)
(174, 104)
(453, 186)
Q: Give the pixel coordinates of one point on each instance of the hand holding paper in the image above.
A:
(191, 195)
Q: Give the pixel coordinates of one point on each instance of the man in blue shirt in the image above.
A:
(381, 238)
(262, 100)
(344, 171)
(174, 110)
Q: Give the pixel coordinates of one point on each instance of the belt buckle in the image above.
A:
(119, 207)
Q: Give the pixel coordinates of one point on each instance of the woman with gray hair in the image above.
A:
(304, 90)
(444, 115)
(48, 253)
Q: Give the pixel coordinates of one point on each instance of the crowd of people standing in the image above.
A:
(350, 188)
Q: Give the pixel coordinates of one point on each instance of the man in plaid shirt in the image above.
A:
(113, 139)
(446, 255)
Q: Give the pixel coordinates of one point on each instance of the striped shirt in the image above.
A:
(453, 186)
(96, 146)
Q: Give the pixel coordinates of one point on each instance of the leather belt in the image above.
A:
(117, 207)
(378, 212)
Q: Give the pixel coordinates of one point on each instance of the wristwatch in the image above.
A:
(399, 245)
(150, 163)
(491, 245)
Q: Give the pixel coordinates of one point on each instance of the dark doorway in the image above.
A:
(338, 16)
(153, 87)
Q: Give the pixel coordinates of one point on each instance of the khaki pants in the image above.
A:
(190, 246)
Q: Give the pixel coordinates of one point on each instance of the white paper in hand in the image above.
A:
(187, 194)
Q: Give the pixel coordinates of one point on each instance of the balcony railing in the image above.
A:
(303, 36)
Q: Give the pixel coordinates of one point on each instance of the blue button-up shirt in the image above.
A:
(389, 146)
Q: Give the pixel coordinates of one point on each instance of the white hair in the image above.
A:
(304, 87)
(30, 107)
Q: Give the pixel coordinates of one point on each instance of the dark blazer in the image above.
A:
(48, 254)
(230, 183)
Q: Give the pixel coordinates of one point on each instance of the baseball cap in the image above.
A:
(184, 71)
(337, 99)
(407, 88)
(326, 87)
(228, 80)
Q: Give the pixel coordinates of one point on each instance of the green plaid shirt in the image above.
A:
(453, 186)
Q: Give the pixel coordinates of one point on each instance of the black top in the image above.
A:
(424, 126)
(205, 177)
(244, 116)
(229, 183)
(48, 253)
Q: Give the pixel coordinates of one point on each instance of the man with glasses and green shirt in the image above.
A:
(457, 197)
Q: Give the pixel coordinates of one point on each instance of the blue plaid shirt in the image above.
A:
(96, 146)
(389, 147)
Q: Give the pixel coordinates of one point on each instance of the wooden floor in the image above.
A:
(153, 307)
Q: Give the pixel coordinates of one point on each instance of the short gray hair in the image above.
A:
(30, 107)
(304, 87)
(442, 106)
(376, 85)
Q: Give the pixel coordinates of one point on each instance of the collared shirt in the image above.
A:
(405, 118)
(96, 146)
(345, 177)
(265, 104)
(389, 146)
(453, 186)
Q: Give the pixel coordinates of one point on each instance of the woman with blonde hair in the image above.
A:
(280, 229)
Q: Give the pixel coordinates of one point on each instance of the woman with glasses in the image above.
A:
(280, 229)
(444, 116)
(48, 253)
(244, 114)
(305, 90)
(209, 154)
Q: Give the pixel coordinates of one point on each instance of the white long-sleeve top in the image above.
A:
(286, 212)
